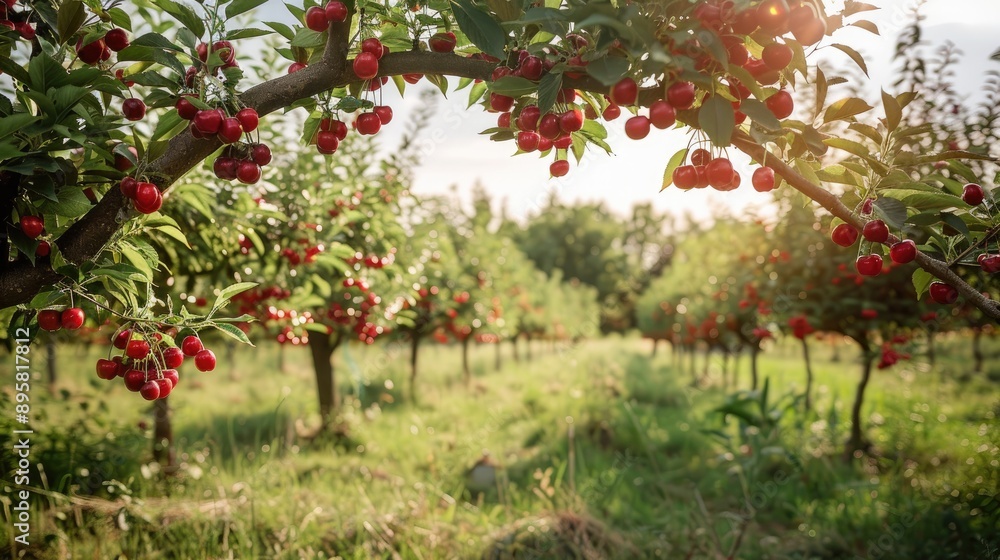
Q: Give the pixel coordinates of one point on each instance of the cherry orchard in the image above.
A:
(81, 94)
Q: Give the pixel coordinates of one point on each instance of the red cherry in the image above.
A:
(43, 249)
(153, 206)
(624, 92)
(780, 103)
(772, 16)
(760, 71)
(531, 68)
(443, 42)
(777, 56)
(72, 318)
(544, 144)
(903, 252)
(225, 167)
(681, 95)
(248, 172)
(249, 119)
(989, 263)
(973, 194)
(366, 66)
(123, 163)
(327, 142)
(807, 28)
(137, 349)
(700, 156)
(316, 19)
(122, 338)
(191, 345)
(145, 194)
(150, 390)
(116, 39)
(134, 379)
(503, 121)
(225, 51)
(876, 231)
(662, 115)
(107, 369)
(32, 226)
(412, 78)
(528, 118)
(943, 293)
(260, 154)
(549, 127)
(336, 11)
(702, 176)
(844, 235)
(559, 168)
(173, 357)
(384, 113)
(230, 131)
(368, 123)
(563, 142)
(637, 127)
(90, 53)
(611, 113)
(133, 109)
(501, 103)
(869, 265)
(208, 122)
(295, 67)
(527, 141)
(172, 376)
(685, 177)
(50, 320)
(374, 46)
(205, 360)
(745, 22)
(185, 109)
(719, 172)
(763, 179)
(571, 120)
(165, 385)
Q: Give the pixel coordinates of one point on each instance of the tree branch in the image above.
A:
(828, 200)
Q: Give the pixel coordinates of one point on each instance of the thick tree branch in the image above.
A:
(833, 204)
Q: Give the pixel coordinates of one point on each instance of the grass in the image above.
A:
(600, 452)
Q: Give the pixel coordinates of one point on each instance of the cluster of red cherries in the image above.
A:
(33, 227)
(52, 320)
(148, 364)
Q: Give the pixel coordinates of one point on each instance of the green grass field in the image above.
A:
(599, 452)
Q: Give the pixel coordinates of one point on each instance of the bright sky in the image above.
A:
(458, 155)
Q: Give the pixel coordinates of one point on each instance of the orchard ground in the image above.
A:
(602, 452)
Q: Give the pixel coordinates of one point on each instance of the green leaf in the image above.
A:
(924, 200)
(609, 69)
(227, 294)
(548, 91)
(893, 112)
(760, 114)
(717, 119)
(845, 108)
(246, 33)
(120, 18)
(675, 161)
(855, 56)
(238, 7)
(136, 258)
(921, 281)
(480, 27)
(72, 14)
(233, 332)
(513, 86)
(309, 39)
(182, 13)
(892, 211)
(957, 223)
(281, 29)
(476, 93)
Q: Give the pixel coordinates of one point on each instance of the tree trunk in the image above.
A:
(754, 351)
(281, 359)
(163, 435)
(466, 373)
(50, 366)
(809, 374)
(977, 350)
(322, 348)
(414, 350)
(499, 361)
(736, 369)
(704, 370)
(931, 354)
(857, 441)
(513, 343)
(527, 345)
(655, 342)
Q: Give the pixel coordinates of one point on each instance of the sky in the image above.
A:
(455, 154)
